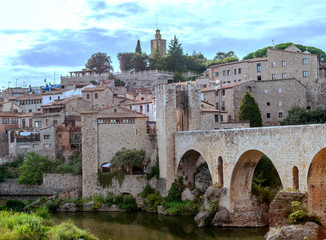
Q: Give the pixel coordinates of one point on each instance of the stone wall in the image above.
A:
(4, 149)
(133, 184)
(281, 207)
(52, 184)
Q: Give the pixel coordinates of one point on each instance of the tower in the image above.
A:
(159, 43)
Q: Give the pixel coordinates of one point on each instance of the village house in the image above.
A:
(98, 96)
(29, 103)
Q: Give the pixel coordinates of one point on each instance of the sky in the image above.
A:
(46, 39)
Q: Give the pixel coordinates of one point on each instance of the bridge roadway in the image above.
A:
(297, 152)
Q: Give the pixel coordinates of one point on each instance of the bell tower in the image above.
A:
(159, 43)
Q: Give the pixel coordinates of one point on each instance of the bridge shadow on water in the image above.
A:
(139, 225)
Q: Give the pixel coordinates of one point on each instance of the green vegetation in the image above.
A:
(124, 60)
(98, 200)
(138, 47)
(129, 159)
(186, 207)
(105, 178)
(99, 62)
(249, 110)
(13, 205)
(153, 200)
(299, 215)
(31, 226)
(118, 82)
(155, 171)
(11, 169)
(298, 116)
(263, 52)
(266, 181)
(124, 202)
(32, 169)
(176, 190)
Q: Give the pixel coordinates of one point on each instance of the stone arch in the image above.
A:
(241, 180)
(317, 185)
(105, 167)
(220, 176)
(295, 177)
(188, 164)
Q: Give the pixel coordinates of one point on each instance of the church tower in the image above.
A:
(159, 43)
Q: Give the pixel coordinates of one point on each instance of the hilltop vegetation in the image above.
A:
(263, 51)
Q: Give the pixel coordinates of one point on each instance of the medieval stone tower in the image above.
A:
(178, 109)
(159, 43)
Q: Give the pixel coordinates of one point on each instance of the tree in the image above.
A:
(138, 48)
(129, 158)
(249, 110)
(175, 58)
(298, 116)
(139, 62)
(223, 55)
(124, 60)
(99, 62)
(157, 61)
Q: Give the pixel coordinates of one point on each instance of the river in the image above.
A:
(147, 226)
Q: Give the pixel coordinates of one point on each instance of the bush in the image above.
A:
(54, 204)
(299, 214)
(176, 190)
(98, 200)
(124, 202)
(14, 205)
(181, 208)
(153, 200)
(147, 190)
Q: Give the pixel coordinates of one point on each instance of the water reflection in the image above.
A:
(145, 226)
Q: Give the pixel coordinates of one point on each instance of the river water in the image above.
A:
(147, 226)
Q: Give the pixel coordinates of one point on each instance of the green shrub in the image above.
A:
(176, 190)
(43, 212)
(3, 174)
(98, 200)
(124, 202)
(54, 204)
(153, 200)
(147, 190)
(181, 208)
(299, 214)
(15, 205)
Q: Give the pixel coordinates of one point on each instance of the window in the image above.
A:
(283, 75)
(259, 77)
(55, 122)
(239, 80)
(141, 108)
(229, 72)
(216, 74)
(14, 121)
(58, 97)
(50, 98)
(216, 105)
(5, 120)
(221, 118)
(223, 92)
(59, 135)
(239, 70)
(284, 63)
(223, 105)
(273, 64)
(273, 76)
(258, 67)
(234, 80)
(46, 136)
(268, 103)
(224, 73)
(305, 73)
(96, 95)
(35, 146)
(88, 96)
(30, 110)
(304, 61)
(229, 82)
(280, 115)
(268, 115)
(235, 71)
(216, 117)
(147, 107)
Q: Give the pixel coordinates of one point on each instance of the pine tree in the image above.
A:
(175, 59)
(138, 48)
(249, 110)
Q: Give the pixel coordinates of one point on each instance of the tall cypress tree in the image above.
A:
(249, 110)
(138, 48)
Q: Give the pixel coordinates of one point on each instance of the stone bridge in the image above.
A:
(297, 152)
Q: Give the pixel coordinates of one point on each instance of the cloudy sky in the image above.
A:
(48, 38)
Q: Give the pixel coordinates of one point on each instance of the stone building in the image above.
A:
(159, 43)
(279, 64)
(99, 97)
(8, 121)
(107, 131)
(85, 76)
(29, 103)
(274, 97)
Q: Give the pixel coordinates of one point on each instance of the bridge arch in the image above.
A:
(316, 185)
(241, 180)
(188, 164)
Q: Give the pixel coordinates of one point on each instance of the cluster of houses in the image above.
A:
(49, 119)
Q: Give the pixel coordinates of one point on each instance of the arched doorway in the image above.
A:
(195, 171)
(295, 177)
(220, 171)
(317, 185)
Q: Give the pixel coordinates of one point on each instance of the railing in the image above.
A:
(32, 138)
